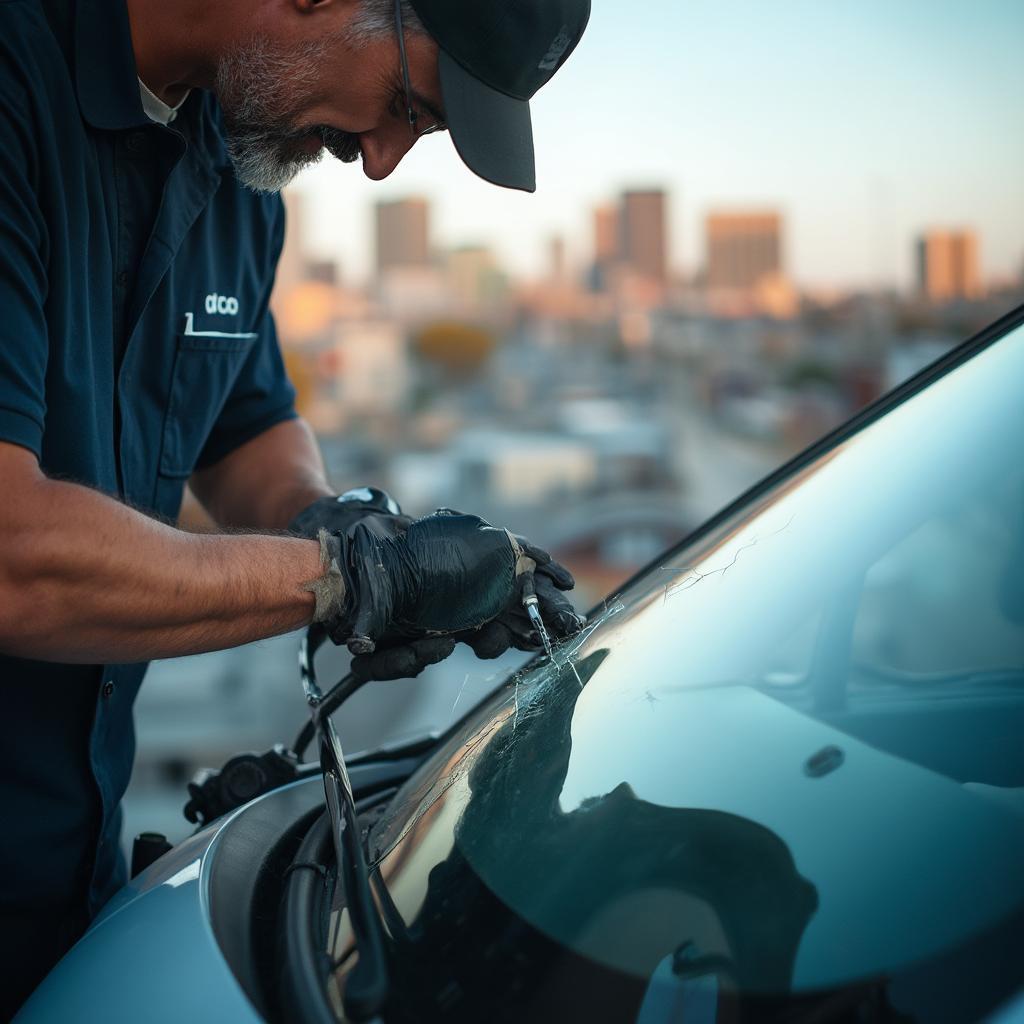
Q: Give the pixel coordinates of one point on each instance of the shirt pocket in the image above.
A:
(205, 369)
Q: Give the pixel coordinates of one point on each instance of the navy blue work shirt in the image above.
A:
(135, 346)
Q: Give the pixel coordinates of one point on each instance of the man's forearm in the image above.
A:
(84, 578)
(266, 482)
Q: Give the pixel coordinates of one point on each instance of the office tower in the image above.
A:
(606, 234)
(643, 234)
(403, 234)
(743, 249)
(947, 265)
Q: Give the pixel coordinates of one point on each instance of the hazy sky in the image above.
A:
(863, 120)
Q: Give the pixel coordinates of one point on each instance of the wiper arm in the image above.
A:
(366, 987)
(329, 703)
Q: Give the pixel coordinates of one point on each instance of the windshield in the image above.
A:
(783, 764)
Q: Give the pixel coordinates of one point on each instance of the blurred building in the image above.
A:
(605, 226)
(370, 366)
(742, 248)
(412, 294)
(498, 472)
(558, 263)
(947, 265)
(403, 234)
(606, 234)
(515, 468)
(323, 271)
(643, 233)
(474, 279)
(291, 265)
(632, 446)
(744, 272)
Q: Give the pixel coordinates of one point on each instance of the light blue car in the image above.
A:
(780, 777)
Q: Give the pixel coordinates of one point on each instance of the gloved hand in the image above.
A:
(513, 628)
(397, 657)
(369, 505)
(449, 577)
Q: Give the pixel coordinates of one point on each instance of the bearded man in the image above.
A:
(141, 146)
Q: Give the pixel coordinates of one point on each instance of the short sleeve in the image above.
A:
(262, 395)
(24, 240)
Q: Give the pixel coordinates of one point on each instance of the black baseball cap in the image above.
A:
(494, 55)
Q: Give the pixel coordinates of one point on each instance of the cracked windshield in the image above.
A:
(722, 262)
(836, 622)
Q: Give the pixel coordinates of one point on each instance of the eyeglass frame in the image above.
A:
(410, 108)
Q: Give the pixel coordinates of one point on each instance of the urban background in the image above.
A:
(605, 371)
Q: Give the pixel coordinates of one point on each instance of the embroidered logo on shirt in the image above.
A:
(224, 304)
(191, 332)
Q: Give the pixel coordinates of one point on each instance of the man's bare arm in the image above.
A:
(264, 483)
(84, 578)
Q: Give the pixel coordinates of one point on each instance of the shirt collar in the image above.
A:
(155, 108)
(107, 80)
(105, 73)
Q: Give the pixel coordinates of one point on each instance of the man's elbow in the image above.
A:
(20, 610)
(23, 589)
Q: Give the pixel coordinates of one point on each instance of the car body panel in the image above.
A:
(151, 954)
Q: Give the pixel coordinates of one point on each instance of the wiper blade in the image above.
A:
(366, 987)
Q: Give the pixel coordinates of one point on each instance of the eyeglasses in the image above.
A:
(411, 111)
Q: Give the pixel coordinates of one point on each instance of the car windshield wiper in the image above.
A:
(366, 987)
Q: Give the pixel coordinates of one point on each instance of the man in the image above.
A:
(140, 144)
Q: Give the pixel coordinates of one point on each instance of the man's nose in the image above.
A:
(383, 151)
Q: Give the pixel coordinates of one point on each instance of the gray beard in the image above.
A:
(254, 85)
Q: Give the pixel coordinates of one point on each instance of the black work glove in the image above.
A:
(369, 505)
(513, 628)
(410, 597)
(400, 658)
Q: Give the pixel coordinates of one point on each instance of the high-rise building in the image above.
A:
(403, 234)
(606, 234)
(643, 233)
(947, 265)
(743, 249)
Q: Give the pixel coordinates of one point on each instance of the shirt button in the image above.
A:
(122, 279)
(135, 142)
(108, 688)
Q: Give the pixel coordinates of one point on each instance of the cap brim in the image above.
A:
(492, 132)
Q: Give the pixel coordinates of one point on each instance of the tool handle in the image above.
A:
(529, 590)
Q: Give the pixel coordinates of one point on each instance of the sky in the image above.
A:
(863, 121)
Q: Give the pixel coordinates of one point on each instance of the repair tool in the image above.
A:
(531, 604)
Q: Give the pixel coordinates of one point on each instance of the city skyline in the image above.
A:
(862, 126)
(742, 249)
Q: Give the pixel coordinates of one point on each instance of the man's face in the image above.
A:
(284, 103)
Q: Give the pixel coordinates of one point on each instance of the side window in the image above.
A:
(948, 599)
